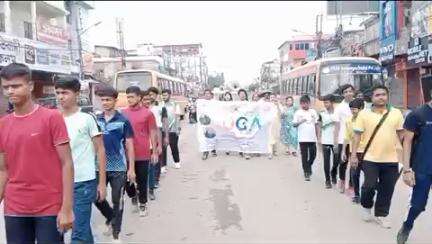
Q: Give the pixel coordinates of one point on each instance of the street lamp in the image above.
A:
(80, 33)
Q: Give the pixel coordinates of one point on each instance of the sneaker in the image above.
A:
(367, 214)
(156, 185)
(403, 235)
(328, 185)
(383, 222)
(164, 170)
(143, 210)
(307, 177)
(270, 156)
(214, 154)
(205, 156)
(227, 153)
(152, 195)
(342, 186)
(356, 200)
(334, 181)
(247, 156)
(108, 228)
(177, 165)
(350, 192)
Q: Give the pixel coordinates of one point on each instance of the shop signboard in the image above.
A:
(53, 34)
(387, 31)
(418, 51)
(37, 55)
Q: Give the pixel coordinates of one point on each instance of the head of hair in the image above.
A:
(145, 93)
(329, 98)
(346, 86)
(134, 89)
(15, 70)
(107, 91)
(380, 87)
(357, 103)
(304, 99)
(289, 97)
(208, 90)
(168, 91)
(244, 91)
(67, 82)
(228, 93)
(154, 90)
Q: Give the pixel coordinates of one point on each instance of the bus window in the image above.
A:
(297, 86)
(141, 79)
(306, 85)
(303, 85)
(311, 87)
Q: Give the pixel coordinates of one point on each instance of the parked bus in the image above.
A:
(325, 76)
(145, 79)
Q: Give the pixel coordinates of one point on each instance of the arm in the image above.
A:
(65, 217)
(318, 132)
(154, 141)
(355, 145)
(3, 176)
(165, 128)
(101, 156)
(408, 174)
(131, 158)
(336, 133)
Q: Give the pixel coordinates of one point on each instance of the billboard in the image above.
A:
(387, 30)
(351, 7)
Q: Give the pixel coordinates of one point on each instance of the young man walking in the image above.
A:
(145, 134)
(417, 164)
(382, 128)
(306, 120)
(86, 145)
(356, 106)
(342, 112)
(329, 136)
(36, 169)
(118, 141)
(173, 129)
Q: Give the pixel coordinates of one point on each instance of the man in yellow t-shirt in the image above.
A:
(380, 162)
(356, 106)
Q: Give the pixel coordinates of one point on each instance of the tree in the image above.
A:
(217, 80)
(254, 86)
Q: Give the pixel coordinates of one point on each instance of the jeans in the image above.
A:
(173, 143)
(85, 194)
(419, 197)
(114, 215)
(380, 178)
(25, 230)
(327, 151)
(154, 174)
(142, 178)
(308, 155)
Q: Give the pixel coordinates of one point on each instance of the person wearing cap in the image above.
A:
(87, 145)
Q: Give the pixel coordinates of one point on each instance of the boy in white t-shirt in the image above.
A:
(329, 137)
(306, 121)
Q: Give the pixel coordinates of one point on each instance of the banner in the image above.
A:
(37, 55)
(235, 126)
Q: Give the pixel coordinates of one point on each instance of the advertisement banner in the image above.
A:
(37, 55)
(234, 126)
(388, 30)
(48, 33)
(418, 53)
(421, 20)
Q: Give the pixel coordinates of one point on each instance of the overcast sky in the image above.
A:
(237, 37)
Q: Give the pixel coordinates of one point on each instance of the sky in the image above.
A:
(237, 37)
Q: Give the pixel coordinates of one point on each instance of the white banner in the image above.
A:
(235, 126)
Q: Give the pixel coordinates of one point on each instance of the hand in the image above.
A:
(354, 161)
(409, 178)
(101, 190)
(154, 158)
(344, 157)
(166, 141)
(303, 120)
(159, 149)
(131, 176)
(65, 219)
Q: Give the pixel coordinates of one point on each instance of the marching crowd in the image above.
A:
(356, 138)
(56, 164)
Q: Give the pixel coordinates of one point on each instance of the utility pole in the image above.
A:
(318, 32)
(120, 39)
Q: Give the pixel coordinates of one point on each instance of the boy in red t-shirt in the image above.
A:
(145, 133)
(36, 170)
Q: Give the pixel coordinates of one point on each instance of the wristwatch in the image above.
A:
(405, 171)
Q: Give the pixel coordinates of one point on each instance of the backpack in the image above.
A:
(419, 113)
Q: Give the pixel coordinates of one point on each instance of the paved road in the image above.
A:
(231, 200)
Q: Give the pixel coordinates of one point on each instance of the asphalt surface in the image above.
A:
(227, 199)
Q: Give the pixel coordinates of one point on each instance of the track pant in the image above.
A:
(380, 178)
(114, 215)
(355, 175)
(24, 230)
(327, 151)
(142, 178)
(173, 143)
(308, 155)
(419, 197)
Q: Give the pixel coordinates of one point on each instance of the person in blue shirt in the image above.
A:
(417, 164)
(118, 141)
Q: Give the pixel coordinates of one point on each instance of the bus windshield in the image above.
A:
(363, 76)
(141, 79)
